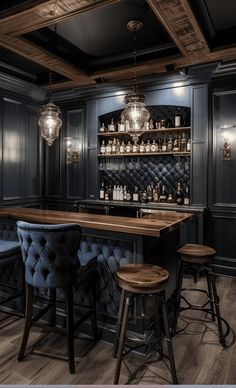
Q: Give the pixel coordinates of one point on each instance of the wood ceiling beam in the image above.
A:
(177, 18)
(42, 57)
(48, 13)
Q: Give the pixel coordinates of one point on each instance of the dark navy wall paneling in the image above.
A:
(13, 155)
(199, 144)
(74, 172)
(33, 155)
(91, 150)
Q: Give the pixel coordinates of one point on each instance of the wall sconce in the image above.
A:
(72, 150)
(226, 134)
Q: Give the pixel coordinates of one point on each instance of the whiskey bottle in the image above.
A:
(148, 147)
(142, 147)
(103, 148)
(188, 146)
(153, 146)
(183, 143)
(135, 148)
(170, 144)
(128, 147)
(179, 195)
(163, 195)
(164, 145)
(186, 197)
(113, 147)
(149, 194)
(111, 127)
(102, 191)
(135, 194)
(108, 147)
(178, 118)
(102, 128)
(122, 148)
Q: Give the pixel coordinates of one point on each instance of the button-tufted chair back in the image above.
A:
(49, 253)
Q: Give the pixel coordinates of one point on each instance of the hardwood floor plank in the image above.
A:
(200, 359)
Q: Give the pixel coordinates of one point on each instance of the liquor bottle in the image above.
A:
(178, 118)
(149, 194)
(125, 194)
(142, 147)
(102, 191)
(114, 194)
(179, 195)
(108, 147)
(103, 148)
(151, 124)
(106, 195)
(128, 195)
(176, 145)
(159, 145)
(135, 194)
(163, 194)
(164, 145)
(118, 146)
(102, 128)
(111, 127)
(128, 147)
(170, 144)
(156, 193)
(113, 147)
(186, 197)
(121, 126)
(153, 146)
(122, 148)
(148, 147)
(135, 148)
(183, 143)
(188, 146)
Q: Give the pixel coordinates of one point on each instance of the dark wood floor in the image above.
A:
(200, 359)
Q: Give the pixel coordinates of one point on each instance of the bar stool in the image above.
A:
(50, 257)
(199, 257)
(10, 261)
(137, 281)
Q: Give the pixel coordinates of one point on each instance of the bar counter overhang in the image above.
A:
(115, 241)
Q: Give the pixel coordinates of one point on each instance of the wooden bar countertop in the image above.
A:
(150, 225)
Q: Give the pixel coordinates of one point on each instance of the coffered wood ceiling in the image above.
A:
(41, 36)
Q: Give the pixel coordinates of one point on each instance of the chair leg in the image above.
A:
(216, 301)
(210, 295)
(28, 321)
(158, 325)
(119, 320)
(70, 329)
(52, 298)
(169, 344)
(21, 283)
(121, 340)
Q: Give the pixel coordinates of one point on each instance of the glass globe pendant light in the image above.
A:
(49, 121)
(135, 114)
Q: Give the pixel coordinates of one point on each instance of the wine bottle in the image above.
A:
(102, 191)
(178, 118)
(179, 195)
(186, 197)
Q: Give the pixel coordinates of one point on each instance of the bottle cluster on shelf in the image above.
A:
(177, 143)
(158, 123)
(151, 193)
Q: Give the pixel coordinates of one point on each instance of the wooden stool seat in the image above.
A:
(143, 283)
(196, 253)
(142, 278)
(197, 256)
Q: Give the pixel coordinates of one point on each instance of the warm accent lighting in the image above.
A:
(226, 134)
(49, 121)
(72, 150)
(135, 114)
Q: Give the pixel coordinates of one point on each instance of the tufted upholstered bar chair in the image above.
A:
(10, 257)
(50, 258)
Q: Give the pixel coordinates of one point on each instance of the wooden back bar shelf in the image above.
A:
(143, 154)
(146, 132)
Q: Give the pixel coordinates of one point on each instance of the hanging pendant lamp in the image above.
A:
(135, 114)
(49, 121)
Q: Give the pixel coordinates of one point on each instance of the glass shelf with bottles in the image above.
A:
(177, 145)
(145, 132)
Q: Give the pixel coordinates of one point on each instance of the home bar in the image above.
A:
(117, 192)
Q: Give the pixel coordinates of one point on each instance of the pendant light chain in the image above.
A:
(135, 60)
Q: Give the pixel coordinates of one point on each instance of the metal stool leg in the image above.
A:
(216, 301)
(121, 340)
(169, 343)
(52, 296)
(210, 295)
(178, 298)
(158, 325)
(119, 320)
